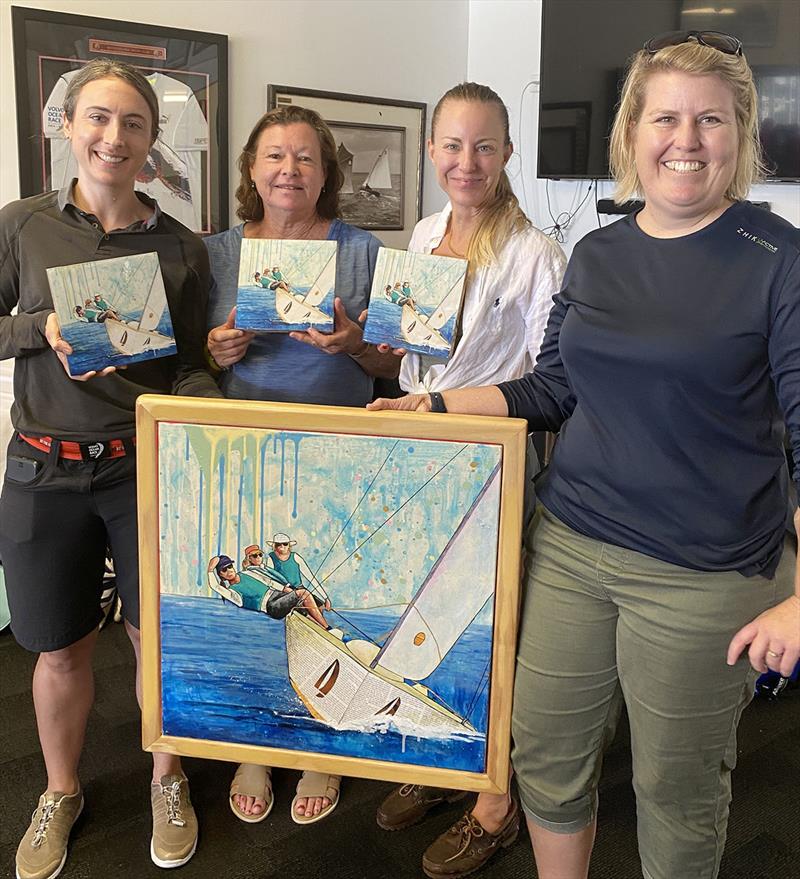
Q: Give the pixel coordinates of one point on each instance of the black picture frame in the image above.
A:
(380, 117)
(189, 72)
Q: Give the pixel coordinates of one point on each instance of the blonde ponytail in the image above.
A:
(502, 217)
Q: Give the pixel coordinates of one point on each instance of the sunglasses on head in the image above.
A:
(713, 39)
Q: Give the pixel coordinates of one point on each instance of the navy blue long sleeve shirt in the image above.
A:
(671, 368)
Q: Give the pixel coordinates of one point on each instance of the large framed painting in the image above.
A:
(330, 588)
(187, 168)
(380, 148)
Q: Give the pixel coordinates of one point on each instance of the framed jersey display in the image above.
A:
(364, 564)
(186, 170)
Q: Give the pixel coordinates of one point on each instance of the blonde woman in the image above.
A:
(514, 272)
(671, 364)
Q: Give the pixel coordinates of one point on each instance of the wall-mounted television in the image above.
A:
(585, 48)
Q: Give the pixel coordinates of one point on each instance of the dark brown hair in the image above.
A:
(105, 68)
(250, 204)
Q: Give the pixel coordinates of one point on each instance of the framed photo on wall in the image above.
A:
(329, 588)
(186, 170)
(380, 147)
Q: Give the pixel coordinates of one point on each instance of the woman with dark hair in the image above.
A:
(71, 479)
(289, 189)
(670, 365)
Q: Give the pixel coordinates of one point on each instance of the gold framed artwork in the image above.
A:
(329, 588)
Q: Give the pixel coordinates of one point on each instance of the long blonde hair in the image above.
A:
(701, 61)
(502, 217)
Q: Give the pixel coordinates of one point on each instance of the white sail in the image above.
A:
(448, 306)
(154, 305)
(294, 310)
(446, 603)
(417, 329)
(379, 177)
(131, 340)
(323, 284)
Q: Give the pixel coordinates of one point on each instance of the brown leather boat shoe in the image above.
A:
(467, 846)
(409, 803)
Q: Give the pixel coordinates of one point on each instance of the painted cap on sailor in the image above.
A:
(224, 562)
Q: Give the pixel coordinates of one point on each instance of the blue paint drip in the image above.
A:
(296, 474)
(239, 513)
(186, 448)
(283, 463)
(261, 491)
(221, 502)
(200, 529)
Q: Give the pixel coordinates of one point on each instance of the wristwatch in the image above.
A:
(437, 402)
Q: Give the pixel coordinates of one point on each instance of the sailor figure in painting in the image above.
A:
(267, 587)
(275, 279)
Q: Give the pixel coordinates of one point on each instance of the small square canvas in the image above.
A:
(285, 285)
(112, 312)
(415, 301)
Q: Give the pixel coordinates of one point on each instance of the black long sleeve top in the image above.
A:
(671, 368)
(49, 230)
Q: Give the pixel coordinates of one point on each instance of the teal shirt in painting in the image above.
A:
(278, 368)
(251, 590)
(289, 568)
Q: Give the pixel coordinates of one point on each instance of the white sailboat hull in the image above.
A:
(293, 310)
(418, 332)
(336, 684)
(132, 340)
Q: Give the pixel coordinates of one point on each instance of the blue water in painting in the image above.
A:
(93, 351)
(383, 325)
(224, 678)
(255, 310)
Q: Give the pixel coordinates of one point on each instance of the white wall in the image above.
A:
(373, 47)
(356, 46)
(504, 38)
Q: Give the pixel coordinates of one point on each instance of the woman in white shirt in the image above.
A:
(514, 271)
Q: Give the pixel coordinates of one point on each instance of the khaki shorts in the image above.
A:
(601, 625)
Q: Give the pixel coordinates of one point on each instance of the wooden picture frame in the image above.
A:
(401, 125)
(187, 169)
(390, 510)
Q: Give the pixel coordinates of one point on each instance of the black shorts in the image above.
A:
(54, 531)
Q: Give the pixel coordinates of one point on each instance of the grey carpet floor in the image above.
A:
(112, 837)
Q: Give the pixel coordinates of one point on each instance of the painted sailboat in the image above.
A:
(345, 159)
(421, 329)
(136, 337)
(358, 684)
(379, 176)
(298, 308)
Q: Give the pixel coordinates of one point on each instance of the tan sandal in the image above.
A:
(252, 780)
(311, 786)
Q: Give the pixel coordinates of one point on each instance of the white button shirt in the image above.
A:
(506, 305)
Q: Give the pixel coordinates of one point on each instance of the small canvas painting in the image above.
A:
(112, 312)
(285, 285)
(415, 301)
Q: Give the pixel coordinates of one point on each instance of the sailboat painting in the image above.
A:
(326, 594)
(112, 312)
(285, 285)
(415, 301)
(371, 159)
